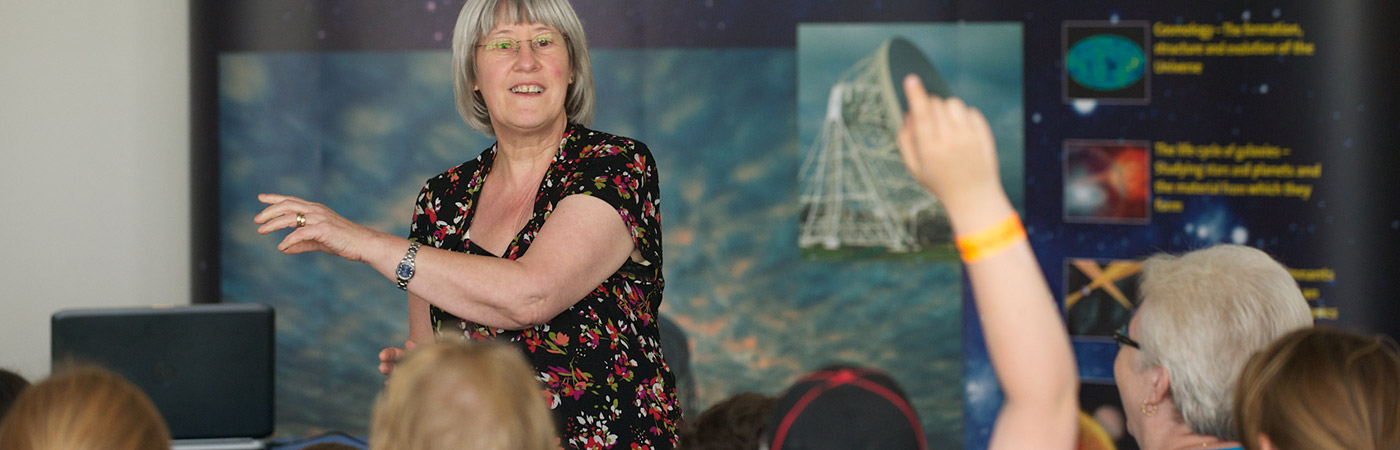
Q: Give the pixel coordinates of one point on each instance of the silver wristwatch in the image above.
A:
(405, 270)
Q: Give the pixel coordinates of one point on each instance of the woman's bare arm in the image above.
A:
(583, 242)
(949, 149)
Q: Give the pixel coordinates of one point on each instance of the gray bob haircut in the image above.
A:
(1203, 314)
(479, 17)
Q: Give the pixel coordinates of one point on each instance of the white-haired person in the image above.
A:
(949, 149)
(462, 395)
(1202, 315)
(549, 239)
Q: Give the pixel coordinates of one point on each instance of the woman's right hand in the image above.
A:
(314, 228)
(389, 357)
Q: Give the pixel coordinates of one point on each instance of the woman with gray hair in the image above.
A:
(550, 239)
(1202, 315)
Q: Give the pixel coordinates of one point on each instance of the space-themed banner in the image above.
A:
(1268, 127)
(792, 237)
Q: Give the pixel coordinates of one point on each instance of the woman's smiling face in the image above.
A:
(523, 76)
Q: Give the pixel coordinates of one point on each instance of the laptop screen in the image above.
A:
(207, 368)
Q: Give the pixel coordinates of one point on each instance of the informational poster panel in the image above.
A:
(1123, 129)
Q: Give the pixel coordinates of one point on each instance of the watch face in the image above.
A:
(405, 271)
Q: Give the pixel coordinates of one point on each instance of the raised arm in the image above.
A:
(948, 148)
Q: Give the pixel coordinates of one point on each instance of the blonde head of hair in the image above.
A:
(1321, 389)
(83, 408)
(452, 395)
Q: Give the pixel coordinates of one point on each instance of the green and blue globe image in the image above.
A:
(1106, 62)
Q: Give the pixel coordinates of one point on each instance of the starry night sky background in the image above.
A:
(349, 103)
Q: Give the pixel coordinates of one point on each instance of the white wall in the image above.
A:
(94, 163)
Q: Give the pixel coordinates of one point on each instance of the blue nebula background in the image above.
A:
(361, 131)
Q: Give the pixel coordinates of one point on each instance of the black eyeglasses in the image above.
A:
(1121, 337)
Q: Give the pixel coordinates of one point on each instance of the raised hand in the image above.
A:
(948, 148)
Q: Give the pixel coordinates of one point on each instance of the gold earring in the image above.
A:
(1149, 412)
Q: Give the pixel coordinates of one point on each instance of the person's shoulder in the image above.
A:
(459, 172)
(601, 143)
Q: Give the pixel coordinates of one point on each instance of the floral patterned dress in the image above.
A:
(600, 360)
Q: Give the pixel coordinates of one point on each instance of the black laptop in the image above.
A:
(207, 368)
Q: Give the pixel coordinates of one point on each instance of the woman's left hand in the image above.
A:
(315, 227)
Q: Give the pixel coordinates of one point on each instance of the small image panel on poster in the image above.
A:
(1107, 62)
(1107, 182)
(857, 200)
(1100, 295)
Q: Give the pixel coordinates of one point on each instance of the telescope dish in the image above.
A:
(855, 189)
(904, 58)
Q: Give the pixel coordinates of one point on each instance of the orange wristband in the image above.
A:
(990, 241)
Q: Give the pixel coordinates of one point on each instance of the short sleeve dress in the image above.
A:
(600, 360)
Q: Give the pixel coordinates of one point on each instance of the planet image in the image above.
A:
(1106, 62)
